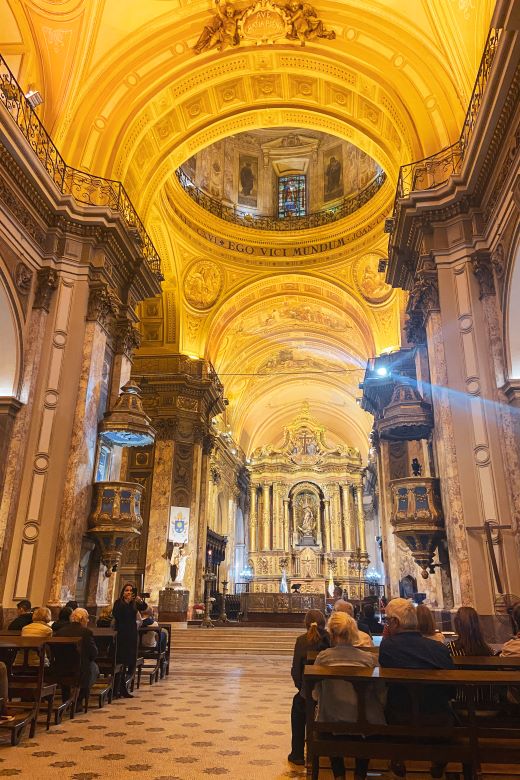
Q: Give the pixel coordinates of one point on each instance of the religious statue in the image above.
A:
(222, 30)
(305, 25)
(178, 559)
(416, 468)
(307, 526)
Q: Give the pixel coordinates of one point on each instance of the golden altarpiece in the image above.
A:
(306, 521)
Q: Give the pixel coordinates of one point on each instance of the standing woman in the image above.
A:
(125, 615)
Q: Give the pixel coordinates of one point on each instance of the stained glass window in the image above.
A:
(291, 196)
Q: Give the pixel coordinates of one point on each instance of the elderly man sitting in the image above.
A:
(363, 639)
(406, 648)
(78, 626)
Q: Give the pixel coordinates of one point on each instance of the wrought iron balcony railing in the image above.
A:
(84, 187)
(240, 216)
(435, 170)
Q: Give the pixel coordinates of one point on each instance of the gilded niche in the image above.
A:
(202, 284)
(261, 22)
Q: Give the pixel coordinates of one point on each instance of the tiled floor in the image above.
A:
(214, 716)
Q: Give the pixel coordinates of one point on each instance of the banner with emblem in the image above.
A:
(179, 524)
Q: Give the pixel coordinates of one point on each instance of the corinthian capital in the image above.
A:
(47, 282)
(127, 338)
(102, 305)
(482, 267)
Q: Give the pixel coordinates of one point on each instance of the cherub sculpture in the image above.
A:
(222, 30)
(305, 25)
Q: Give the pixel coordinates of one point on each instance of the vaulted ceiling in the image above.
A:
(284, 317)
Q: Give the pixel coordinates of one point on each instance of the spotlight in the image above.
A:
(382, 371)
(34, 98)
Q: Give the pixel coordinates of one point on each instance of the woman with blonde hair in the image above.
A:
(337, 699)
(38, 628)
(426, 624)
(315, 638)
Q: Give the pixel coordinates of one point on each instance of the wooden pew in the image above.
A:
(165, 667)
(471, 743)
(152, 656)
(107, 686)
(26, 681)
(65, 671)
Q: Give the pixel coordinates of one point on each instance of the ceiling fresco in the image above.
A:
(286, 318)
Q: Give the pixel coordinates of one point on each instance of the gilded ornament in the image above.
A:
(370, 282)
(262, 22)
(202, 284)
(23, 278)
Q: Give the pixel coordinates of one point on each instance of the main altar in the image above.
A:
(306, 518)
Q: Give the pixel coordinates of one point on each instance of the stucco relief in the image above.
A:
(202, 284)
(370, 281)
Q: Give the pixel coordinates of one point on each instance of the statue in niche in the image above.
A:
(307, 525)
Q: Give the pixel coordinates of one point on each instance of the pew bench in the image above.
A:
(470, 742)
(153, 657)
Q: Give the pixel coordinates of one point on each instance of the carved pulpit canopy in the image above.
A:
(261, 22)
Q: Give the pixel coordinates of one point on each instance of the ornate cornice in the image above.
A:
(47, 282)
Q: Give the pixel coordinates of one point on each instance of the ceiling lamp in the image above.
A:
(127, 424)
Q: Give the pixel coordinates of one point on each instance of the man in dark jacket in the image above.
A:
(24, 616)
(78, 627)
(406, 648)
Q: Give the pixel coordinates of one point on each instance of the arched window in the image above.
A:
(291, 196)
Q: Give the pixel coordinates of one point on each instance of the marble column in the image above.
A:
(286, 538)
(336, 518)
(327, 541)
(348, 526)
(265, 528)
(278, 530)
(102, 307)
(205, 448)
(361, 534)
(157, 567)
(253, 520)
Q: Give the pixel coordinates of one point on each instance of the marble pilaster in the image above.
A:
(448, 465)
(327, 540)
(80, 468)
(202, 517)
(286, 536)
(157, 565)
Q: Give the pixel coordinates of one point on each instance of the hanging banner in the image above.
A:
(179, 524)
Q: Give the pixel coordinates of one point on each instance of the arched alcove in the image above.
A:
(513, 318)
(10, 363)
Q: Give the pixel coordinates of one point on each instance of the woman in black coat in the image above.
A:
(125, 611)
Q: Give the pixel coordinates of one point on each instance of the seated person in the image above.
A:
(315, 638)
(39, 627)
(369, 617)
(105, 617)
(406, 648)
(23, 617)
(63, 619)
(337, 699)
(78, 626)
(426, 624)
(363, 639)
(149, 638)
(512, 648)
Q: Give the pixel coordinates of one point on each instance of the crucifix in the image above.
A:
(305, 439)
